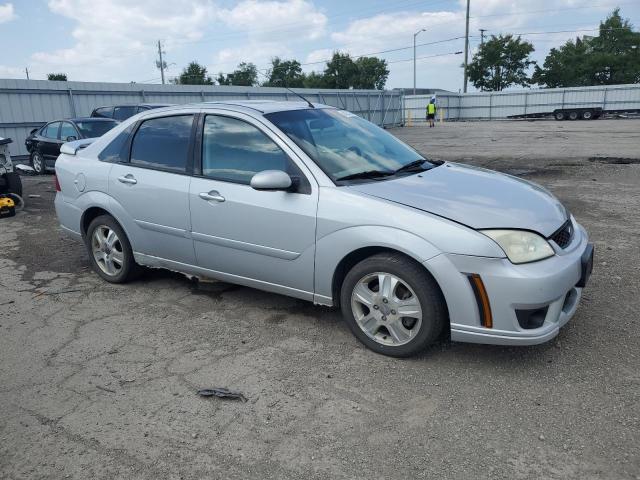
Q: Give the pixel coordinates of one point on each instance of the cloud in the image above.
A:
(7, 13)
(268, 18)
(11, 72)
(110, 35)
(267, 28)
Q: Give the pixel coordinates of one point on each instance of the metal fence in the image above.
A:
(26, 104)
(497, 105)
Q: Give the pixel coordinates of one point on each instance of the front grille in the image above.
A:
(563, 235)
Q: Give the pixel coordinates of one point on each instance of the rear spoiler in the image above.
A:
(71, 148)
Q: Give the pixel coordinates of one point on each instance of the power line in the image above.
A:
(532, 12)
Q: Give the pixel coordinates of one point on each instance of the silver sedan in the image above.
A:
(317, 203)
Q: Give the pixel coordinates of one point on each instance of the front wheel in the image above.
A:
(392, 305)
(110, 252)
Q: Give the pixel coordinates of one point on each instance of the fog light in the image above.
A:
(534, 318)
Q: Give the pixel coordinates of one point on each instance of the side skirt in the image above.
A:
(157, 262)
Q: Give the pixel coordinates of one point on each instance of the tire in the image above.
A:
(14, 183)
(587, 115)
(387, 331)
(573, 115)
(559, 116)
(111, 259)
(37, 163)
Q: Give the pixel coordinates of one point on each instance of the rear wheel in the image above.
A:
(37, 162)
(392, 305)
(573, 115)
(110, 252)
(587, 115)
(559, 115)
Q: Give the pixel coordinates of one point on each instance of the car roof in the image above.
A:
(266, 106)
(144, 104)
(89, 119)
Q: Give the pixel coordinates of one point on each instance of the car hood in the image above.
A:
(475, 197)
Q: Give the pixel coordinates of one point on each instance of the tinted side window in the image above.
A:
(234, 151)
(122, 113)
(67, 130)
(51, 130)
(163, 143)
(116, 151)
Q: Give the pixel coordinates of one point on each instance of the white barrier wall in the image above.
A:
(496, 105)
(26, 104)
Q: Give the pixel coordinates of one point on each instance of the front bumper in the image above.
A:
(549, 286)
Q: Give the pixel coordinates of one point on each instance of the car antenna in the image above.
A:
(298, 95)
(281, 81)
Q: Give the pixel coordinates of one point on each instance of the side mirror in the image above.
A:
(271, 180)
(71, 138)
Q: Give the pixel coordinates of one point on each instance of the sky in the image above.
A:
(116, 40)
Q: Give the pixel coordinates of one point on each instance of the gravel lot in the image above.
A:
(98, 381)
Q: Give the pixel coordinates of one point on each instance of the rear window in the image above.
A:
(105, 112)
(163, 143)
(122, 113)
(93, 129)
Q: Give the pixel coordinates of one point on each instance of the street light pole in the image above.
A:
(414, 58)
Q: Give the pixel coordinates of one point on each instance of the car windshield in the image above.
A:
(347, 147)
(92, 129)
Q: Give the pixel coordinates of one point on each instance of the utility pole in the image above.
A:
(466, 49)
(414, 58)
(26, 70)
(160, 64)
(482, 30)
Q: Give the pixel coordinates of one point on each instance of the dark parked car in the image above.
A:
(122, 112)
(44, 143)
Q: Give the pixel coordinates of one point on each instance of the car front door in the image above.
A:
(264, 239)
(68, 132)
(151, 189)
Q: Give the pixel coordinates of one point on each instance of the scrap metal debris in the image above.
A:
(222, 393)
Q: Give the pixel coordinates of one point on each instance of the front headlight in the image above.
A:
(521, 246)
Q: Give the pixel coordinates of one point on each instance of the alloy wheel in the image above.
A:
(386, 309)
(37, 163)
(107, 250)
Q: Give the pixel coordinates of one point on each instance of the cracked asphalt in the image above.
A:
(99, 380)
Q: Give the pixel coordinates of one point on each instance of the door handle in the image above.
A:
(213, 195)
(129, 179)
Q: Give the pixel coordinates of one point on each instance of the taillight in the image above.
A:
(55, 179)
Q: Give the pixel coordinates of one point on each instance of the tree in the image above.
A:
(314, 80)
(615, 52)
(612, 57)
(246, 75)
(566, 66)
(194, 74)
(500, 62)
(285, 73)
(62, 77)
(372, 73)
(340, 72)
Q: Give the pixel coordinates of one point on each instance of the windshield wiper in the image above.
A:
(366, 174)
(411, 166)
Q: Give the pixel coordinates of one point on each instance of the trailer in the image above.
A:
(578, 113)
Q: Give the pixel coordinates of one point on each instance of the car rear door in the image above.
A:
(49, 143)
(258, 238)
(152, 188)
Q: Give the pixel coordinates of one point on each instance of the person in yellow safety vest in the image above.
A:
(431, 113)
